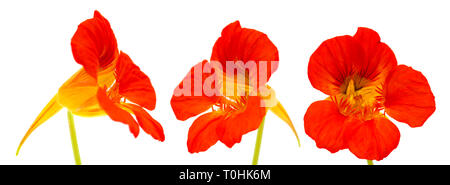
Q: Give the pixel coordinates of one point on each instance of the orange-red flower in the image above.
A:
(106, 85)
(236, 106)
(363, 80)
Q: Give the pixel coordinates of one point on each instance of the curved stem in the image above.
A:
(369, 162)
(258, 143)
(73, 137)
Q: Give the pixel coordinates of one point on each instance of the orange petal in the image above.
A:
(49, 110)
(326, 125)
(133, 83)
(380, 58)
(243, 44)
(408, 96)
(342, 57)
(241, 121)
(116, 113)
(147, 123)
(374, 139)
(94, 45)
(188, 105)
(334, 61)
(203, 132)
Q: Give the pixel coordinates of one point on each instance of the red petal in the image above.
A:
(94, 45)
(241, 121)
(333, 62)
(133, 83)
(408, 96)
(374, 139)
(147, 123)
(193, 103)
(326, 125)
(380, 58)
(243, 44)
(367, 37)
(116, 113)
(202, 133)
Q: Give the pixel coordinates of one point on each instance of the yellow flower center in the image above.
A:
(359, 97)
(234, 93)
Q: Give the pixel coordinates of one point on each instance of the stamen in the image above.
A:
(359, 97)
(350, 91)
(235, 93)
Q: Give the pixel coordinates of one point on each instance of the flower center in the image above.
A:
(234, 93)
(359, 97)
(228, 104)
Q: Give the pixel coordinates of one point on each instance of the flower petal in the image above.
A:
(94, 45)
(186, 102)
(243, 44)
(79, 94)
(116, 113)
(49, 110)
(408, 96)
(374, 139)
(133, 83)
(326, 125)
(241, 121)
(334, 61)
(202, 133)
(380, 58)
(147, 123)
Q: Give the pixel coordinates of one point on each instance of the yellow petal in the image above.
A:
(51, 109)
(279, 110)
(79, 93)
(81, 101)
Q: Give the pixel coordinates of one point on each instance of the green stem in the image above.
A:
(73, 137)
(369, 162)
(258, 143)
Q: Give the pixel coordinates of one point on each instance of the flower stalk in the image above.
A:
(73, 138)
(258, 143)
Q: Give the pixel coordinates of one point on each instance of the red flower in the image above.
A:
(236, 106)
(363, 80)
(106, 85)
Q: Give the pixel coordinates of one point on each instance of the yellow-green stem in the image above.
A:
(369, 162)
(73, 137)
(258, 143)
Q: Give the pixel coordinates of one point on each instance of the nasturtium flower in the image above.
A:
(234, 106)
(364, 83)
(109, 83)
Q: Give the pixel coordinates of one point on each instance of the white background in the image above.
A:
(166, 38)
